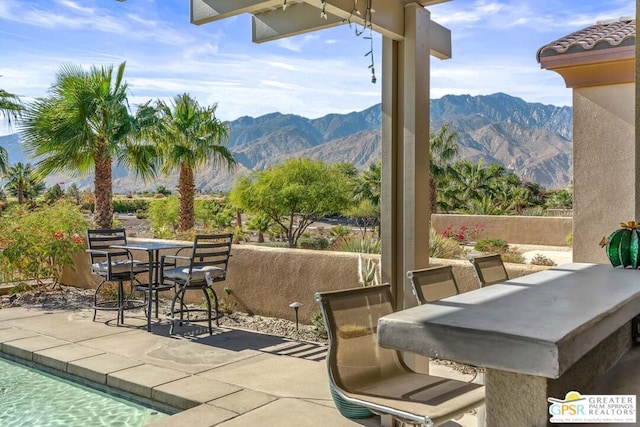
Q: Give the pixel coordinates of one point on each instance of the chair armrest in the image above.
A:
(182, 249)
(108, 255)
(176, 257)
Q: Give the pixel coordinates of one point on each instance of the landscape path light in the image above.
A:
(296, 305)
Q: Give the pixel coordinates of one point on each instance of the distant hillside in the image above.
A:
(531, 139)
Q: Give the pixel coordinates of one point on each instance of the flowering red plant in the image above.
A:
(39, 244)
(464, 234)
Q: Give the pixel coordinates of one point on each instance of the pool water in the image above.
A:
(29, 397)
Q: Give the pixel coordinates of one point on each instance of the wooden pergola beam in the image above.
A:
(270, 23)
(203, 11)
(278, 23)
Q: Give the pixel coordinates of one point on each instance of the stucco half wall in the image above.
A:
(266, 280)
(531, 230)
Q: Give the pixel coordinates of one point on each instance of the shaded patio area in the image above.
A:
(232, 378)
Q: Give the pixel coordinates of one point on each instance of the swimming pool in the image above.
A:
(29, 397)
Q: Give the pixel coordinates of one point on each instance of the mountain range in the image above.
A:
(531, 139)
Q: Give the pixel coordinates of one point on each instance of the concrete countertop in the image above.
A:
(539, 324)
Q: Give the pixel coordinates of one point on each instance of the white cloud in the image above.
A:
(77, 7)
(282, 65)
(297, 43)
(201, 50)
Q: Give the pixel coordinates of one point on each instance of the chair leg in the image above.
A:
(95, 299)
(178, 295)
(215, 299)
(156, 300)
(208, 300)
(120, 303)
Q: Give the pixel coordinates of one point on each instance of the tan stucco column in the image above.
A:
(605, 166)
(405, 153)
(637, 103)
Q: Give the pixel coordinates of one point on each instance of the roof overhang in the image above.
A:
(595, 67)
(271, 22)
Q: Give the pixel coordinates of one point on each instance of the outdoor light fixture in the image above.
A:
(296, 305)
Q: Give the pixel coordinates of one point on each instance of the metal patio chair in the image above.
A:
(365, 374)
(489, 269)
(433, 284)
(206, 265)
(113, 265)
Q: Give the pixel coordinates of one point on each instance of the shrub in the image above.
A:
(363, 245)
(533, 211)
(512, 256)
(318, 321)
(317, 243)
(19, 288)
(130, 205)
(501, 247)
(340, 231)
(214, 214)
(443, 247)
(39, 244)
(491, 246)
(464, 234)
(540, 259)
(163, 216)
(569, 239)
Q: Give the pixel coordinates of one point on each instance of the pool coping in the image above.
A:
(195, 399)
(115, 381)
(103, 388)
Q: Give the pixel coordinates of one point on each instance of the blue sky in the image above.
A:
(494, 50)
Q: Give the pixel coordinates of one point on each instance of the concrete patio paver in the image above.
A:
(58, 357)
(140, 380)
(294, 413)
(18, 313)
(180, 355)
(11, 334)
(97, 368)
(24, 348)
(192, 391)
(200, 416)
(281, 376)
(245, 378)
(72, 326)
(243, 401)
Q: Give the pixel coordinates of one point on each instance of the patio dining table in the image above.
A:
(152, 248)
(537, 336)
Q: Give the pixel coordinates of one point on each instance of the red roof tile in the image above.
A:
(602, 35)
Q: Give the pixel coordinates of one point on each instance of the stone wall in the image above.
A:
(265, 280)
(530, 230)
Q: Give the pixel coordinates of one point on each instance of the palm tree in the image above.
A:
(4, 161)
(190, 137)
(85, 125)
(21, 180)
(10, 108)
(442, 149)
(473, 179)
(10, 105)
(261, 224)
